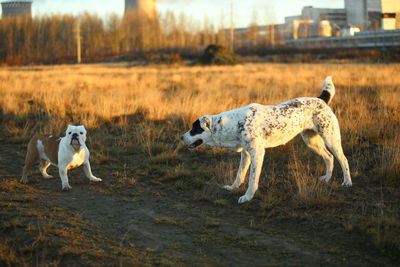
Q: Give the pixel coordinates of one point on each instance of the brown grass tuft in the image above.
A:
(7, 255)
(14, 186)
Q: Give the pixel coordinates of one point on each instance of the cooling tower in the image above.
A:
(148, 7)
(13, 8)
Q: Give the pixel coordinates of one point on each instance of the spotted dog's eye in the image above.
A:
(69, 132)
(81, 132)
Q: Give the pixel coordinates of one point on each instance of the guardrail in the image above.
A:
(367, 39)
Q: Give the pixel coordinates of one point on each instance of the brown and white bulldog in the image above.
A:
(66, 153)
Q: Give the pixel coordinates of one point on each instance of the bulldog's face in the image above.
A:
(200, 134)
(76, 135)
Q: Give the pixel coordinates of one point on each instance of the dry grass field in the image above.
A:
(161, 204)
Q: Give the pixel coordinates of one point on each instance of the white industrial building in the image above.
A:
(315, 22)
(373, 14)
(336, 16)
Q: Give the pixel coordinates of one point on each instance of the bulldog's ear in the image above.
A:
(82, 127)
(206, 122)
(69, 126)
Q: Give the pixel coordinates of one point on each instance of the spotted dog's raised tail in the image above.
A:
(328, 90)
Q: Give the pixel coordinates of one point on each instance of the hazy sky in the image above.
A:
(266, 11)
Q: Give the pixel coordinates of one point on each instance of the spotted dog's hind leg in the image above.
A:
(336, 147)
(330, 133)
(241, 174)
(316, 144)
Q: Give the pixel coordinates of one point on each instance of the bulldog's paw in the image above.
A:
(95, 179)
(245, 198)
(24, 180)
(66, 187)
(47, 176)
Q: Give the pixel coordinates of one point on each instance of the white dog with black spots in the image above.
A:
(253, 128)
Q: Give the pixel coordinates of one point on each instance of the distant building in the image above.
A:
(14, 8)
(310, 29)
(315, 22)
(373, 14)
(349, 30)
(390, 14)
(358, 16)
(148, 7)
(290, 19)
(336, 16)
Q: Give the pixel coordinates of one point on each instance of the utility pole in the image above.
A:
(272, 27)
(232, 33)
(78, 42)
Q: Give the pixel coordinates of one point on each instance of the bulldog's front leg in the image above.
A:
(257, 158)
(64, 178)
(88, 172)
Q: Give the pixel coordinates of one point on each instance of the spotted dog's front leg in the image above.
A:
(241, 174)
(257, 158)
(64, 178)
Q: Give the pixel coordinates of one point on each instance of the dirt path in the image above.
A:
(177, 228)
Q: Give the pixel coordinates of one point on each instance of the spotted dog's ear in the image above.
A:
(206, 122)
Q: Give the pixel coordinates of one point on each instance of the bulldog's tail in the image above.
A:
(328, 90)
